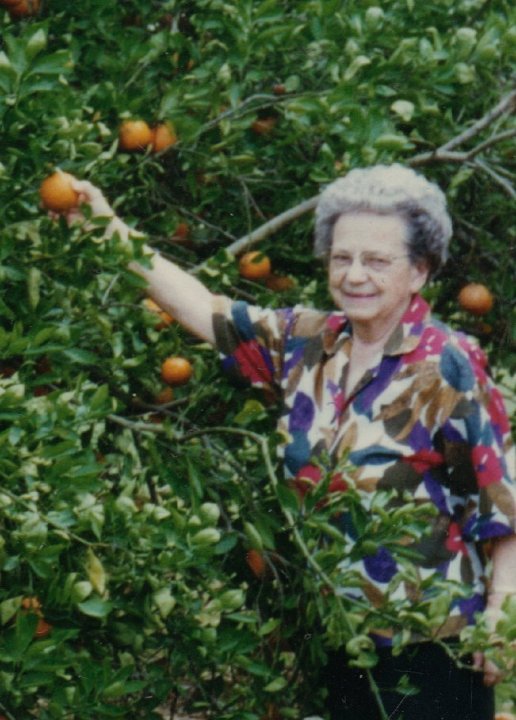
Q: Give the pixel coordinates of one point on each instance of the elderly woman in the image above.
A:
(408, 401)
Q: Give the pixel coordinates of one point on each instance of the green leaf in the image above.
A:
(81, 357)
(37, 42)
(276, 685)
(95, 607)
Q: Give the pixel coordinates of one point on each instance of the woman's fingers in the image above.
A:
(90, 195)
(492, 673)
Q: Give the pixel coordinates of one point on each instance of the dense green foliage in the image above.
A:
(129, 521)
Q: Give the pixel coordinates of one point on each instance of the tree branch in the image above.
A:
(268, 228)
(492, 141)
(443, 154)
(506, 105)
(504, 184)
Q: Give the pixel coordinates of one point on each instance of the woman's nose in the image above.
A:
(356, 271)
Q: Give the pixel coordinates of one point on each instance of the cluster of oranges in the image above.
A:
(32, 605)
(254, 265)
(136, 135)
(57, 194)
(21, 8)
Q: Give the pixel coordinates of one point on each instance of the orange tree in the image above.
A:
(126, 523)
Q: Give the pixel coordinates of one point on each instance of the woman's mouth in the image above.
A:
(359, 296)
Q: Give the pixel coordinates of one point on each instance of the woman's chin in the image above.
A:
(363, 307)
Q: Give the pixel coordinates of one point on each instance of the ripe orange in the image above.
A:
(43, 628)
(134, 135)
(264, 126)
(476, 299)
(176, 370)
(42, 390)
(163, 136)
(279, 89)
(181, 234)
(254, 265)
(280, 283)
(256, 562)
(164, 396)
(153, 307)
(31, 603)
(23, 8)
(504, 715)
(56, 192)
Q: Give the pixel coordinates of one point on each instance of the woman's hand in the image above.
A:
(175, 290)
(99, 207)
(492, 673)
(90, 195)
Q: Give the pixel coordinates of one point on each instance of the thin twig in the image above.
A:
(494, 140)
(268, 228)
(52, 523)
(504, 184)
(443, 154)
(261, 99)
(506, 105)
(203, 221)
(138, 426)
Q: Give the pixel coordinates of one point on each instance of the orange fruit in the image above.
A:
(42, 390)
(134, 135)
(56, 192)
(31, 603)
(176, 370)
(43, 628)
(503, 715)
(279, 89)
(164, 396)
(23, 8)
(154, 308)
(476, 299)
(7, 371)
(181, 233)
(163, 136)
(256, 562)
(254, 265)
(280, 283)
(264, 126)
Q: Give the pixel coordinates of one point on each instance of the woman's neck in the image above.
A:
(375, 335)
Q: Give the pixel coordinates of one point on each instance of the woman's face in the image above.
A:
(370, 275)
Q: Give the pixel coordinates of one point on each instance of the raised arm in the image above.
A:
(176, 291)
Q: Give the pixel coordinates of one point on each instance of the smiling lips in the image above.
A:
(359, 296)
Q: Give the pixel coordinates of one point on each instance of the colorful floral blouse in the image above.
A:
(427, 419)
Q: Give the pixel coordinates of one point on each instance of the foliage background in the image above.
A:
(104, 494)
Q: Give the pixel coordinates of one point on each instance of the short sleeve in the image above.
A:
(478, 443)
(251, 341)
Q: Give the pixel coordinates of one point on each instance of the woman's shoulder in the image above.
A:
(462, 360)
(310, 322)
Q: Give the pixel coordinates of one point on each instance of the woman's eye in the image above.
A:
(378, 263)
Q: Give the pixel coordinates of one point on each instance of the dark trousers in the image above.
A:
(439, 690)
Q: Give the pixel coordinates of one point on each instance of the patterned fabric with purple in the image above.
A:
(427, 419)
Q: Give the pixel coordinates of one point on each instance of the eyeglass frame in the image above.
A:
(367, 261)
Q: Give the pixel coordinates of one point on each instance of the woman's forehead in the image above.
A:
(366, 230)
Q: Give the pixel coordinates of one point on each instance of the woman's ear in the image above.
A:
(420, 272)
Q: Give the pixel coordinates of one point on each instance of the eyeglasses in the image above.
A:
(373, 262)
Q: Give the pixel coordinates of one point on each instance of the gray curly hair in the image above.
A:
(389, 189)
